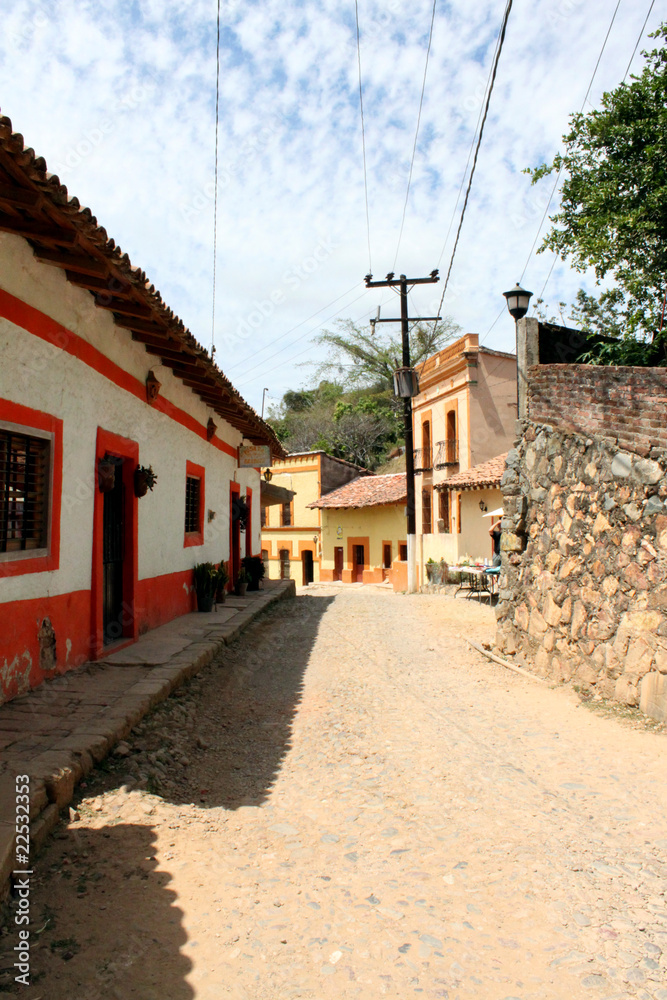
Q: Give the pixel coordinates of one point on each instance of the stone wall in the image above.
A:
(583, 586)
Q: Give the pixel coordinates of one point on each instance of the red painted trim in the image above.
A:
(248, 530)
(162, 598)
(127, 449)
(234, 535)
(19, 639)
(41, 325)
(197, 472)
(15, 413)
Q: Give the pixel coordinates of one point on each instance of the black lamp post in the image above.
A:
(517, 303)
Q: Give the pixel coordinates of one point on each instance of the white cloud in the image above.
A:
(120, 100)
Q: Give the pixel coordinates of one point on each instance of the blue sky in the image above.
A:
(120, 101)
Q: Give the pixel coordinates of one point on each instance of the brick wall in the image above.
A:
(626, 405)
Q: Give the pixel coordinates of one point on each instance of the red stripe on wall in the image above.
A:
(46, 328)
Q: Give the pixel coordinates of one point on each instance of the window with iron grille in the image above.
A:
(443, 500)
(24, 491)
(192, 501)
(262, 512)
(286, 517)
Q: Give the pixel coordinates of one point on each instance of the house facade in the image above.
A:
(292, 531)
(463, 417)
(364, 536)
(473, 494)
(98, 380)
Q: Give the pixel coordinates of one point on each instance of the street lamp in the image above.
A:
(517, 303)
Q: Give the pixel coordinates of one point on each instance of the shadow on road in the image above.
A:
(109, 929)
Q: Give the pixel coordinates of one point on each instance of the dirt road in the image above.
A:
(353, 803)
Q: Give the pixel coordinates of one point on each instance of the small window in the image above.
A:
(286, 515)
(24, 492)
(403, 552)
(192, 504)
(284, 564)
(458, 513)
(262, 516)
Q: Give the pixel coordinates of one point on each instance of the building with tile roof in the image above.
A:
(100, 380)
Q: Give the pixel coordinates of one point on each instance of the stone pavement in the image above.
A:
(57, 732)
(358, 806)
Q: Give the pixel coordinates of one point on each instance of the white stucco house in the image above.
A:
(97, 378)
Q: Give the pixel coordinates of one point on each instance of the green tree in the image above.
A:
(360, 358)
(613, 211)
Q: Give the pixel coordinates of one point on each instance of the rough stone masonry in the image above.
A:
(583, 586)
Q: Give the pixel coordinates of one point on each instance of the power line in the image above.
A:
(583, 104)
(472, 146)
(363, 138)
(215, 180)
(499, 49)
(414, 147)
(259, 350)
(638, 40)
(287, 347)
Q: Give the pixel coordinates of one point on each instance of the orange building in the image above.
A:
(364, 531)
(463, 417)
(291, 531)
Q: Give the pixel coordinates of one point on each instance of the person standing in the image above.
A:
(494, 531)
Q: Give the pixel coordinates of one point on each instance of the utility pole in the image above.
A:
(406, 387)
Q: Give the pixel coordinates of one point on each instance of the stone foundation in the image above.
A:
(583, 586)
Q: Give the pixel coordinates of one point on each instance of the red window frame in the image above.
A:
(192, 470)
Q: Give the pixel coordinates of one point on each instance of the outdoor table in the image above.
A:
(476, 580)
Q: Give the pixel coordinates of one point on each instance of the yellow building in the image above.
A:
(291, 531)
(463, 417)
(475, 494)
(364, 531)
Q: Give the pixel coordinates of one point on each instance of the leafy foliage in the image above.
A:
(359, 358)
(613, 212)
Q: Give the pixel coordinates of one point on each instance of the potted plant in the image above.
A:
(221, 581)
(241, 583)
(144, 480)
(254, 567)
(205, 577)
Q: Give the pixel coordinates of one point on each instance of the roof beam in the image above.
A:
(73, 262)
(11, 195)
(126, 307)
(34, 231)
(106, 286)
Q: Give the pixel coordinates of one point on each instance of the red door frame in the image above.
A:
(124, 448)
(234, 537)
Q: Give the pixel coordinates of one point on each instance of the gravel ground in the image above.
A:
(351, 802)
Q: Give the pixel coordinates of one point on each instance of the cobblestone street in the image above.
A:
(351, 802)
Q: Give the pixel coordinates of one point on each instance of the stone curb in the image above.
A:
(55, 774)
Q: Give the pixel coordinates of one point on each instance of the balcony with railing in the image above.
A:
(423, 458)
(446, 453)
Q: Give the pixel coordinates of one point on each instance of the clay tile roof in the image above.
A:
(480, 477)
(367, 491)
(65, 234)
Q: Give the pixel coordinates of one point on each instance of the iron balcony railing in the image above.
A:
(447, 453)
(423, 458)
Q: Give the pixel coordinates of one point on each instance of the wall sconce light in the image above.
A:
(483, 507)
(152, 388)
(211, 516)
(268, 475)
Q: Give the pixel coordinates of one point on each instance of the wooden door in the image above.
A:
(338, 563)
(284, 564)
(359, 561)
(307, 567)
(113, 555)
(386, 560)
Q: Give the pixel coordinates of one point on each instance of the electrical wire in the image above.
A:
(634, 51)
(259, 350)
(499, 50)
(215, 180)
(470, 151)
(295, 341)
(558, 176)
(414, 147)
(363, 139)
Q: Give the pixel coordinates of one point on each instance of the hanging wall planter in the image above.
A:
(144, 480)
